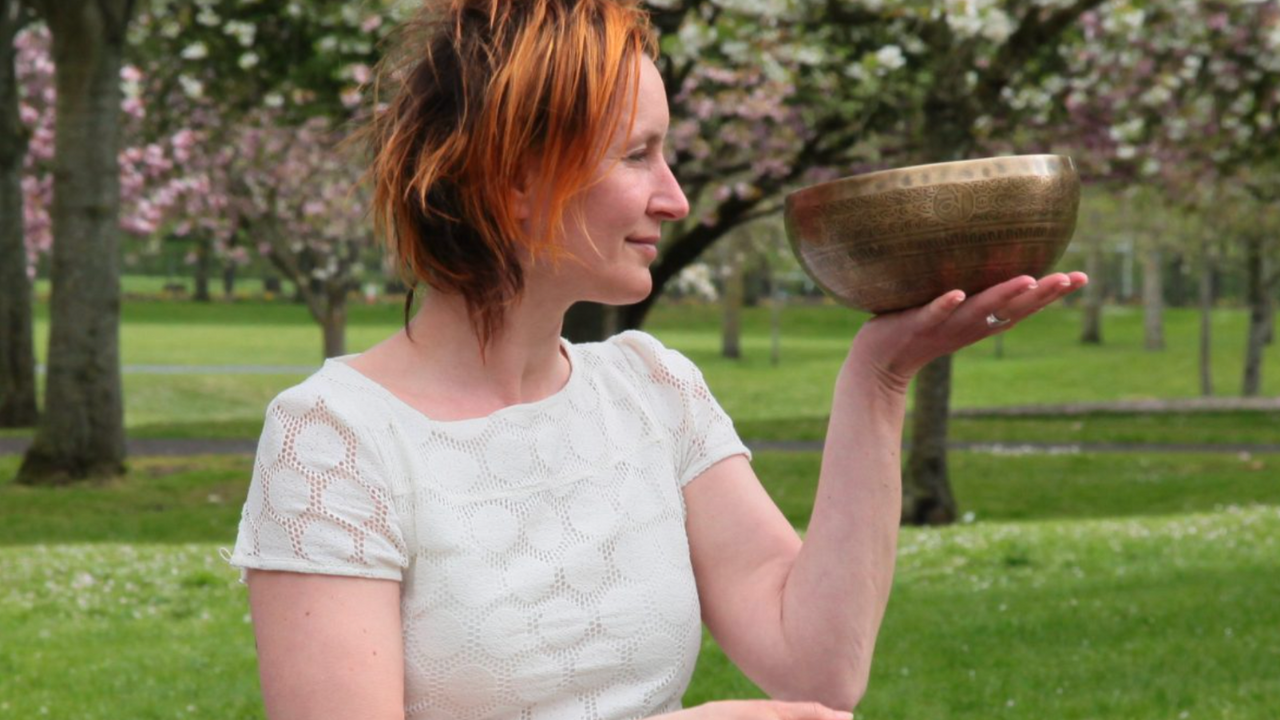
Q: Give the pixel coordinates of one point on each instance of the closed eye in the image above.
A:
(639, 156)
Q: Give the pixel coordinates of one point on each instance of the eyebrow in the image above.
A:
(653, 137)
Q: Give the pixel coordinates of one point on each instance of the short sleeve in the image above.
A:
(703, 432)
(319, 501)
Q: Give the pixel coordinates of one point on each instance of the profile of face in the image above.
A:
(611, 229)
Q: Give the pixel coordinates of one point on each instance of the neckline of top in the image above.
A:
(340, 363)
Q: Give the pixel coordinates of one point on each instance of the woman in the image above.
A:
(477, 519)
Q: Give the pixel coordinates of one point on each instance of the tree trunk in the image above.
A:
(204, 263)
(17, 345)
(229, 281)
(926, 488)
(1091, 333)
(81, 433)
(734, 291)
(775, 316)
(1270, 275)
(334, 320)
(1256, 293)
(1207, 272)
(1126, 272)
(1177, 291)
(1152, 300)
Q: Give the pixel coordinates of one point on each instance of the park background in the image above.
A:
(1093, 510)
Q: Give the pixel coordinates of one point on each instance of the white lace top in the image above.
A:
(541, 550)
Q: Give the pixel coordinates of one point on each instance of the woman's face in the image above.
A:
(611, 229)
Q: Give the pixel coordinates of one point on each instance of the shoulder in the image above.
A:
(646, 355)
(332, 395)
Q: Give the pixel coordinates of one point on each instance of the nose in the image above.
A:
(668, 201)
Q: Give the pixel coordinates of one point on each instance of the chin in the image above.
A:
(624, 290)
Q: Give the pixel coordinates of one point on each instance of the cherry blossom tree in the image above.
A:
(307, 212)
(1183, 97)
(268, 97)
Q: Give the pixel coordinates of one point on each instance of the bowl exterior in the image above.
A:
(897, 239)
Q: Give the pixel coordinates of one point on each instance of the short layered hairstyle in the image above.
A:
(486, 96)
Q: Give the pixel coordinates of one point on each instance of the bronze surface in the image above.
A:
(897, 239)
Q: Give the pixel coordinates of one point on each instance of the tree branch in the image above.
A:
(1033, 34)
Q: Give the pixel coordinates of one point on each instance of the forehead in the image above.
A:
(651, 113)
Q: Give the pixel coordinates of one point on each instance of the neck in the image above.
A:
(521, 363)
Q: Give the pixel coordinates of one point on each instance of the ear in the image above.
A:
(522, 195)
(521, 203)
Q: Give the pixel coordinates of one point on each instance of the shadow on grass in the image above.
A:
(159, 500)
(1224, 428)
(246, 429)
(198, 498)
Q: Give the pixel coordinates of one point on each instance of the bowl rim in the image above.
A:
(855, 185)
(877, 181)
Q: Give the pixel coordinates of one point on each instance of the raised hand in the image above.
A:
(896, 345)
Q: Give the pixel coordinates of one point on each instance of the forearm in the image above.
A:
(835, 594)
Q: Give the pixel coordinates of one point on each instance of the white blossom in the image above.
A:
(1157, 95)
(192, 87)
(195, 51)
(208, 17)
(890, 57)
(242, 31)
(997, 27)
(695, 280)
(248, 60)
(1128, 131)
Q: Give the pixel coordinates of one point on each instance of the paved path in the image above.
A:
(197, 446)
(1178, 405)
(175, 447)
(212, 369)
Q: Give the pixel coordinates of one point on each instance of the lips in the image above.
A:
(646, 245)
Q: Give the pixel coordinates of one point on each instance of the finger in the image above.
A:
(995, 299)
(1050, 289)
(809, 711)
(942, 307)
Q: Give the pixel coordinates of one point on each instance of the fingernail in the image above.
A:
(1066, 283)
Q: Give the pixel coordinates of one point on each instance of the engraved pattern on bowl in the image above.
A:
(896, 239)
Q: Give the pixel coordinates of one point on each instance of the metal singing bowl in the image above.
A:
(897, 239)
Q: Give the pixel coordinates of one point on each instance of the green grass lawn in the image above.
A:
(1042, 363)
(1117, 585)
(1084, 586)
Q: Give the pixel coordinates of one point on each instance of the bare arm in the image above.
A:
(328, 646)
(801, 620)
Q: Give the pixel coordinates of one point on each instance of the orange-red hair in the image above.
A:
(490, 93)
